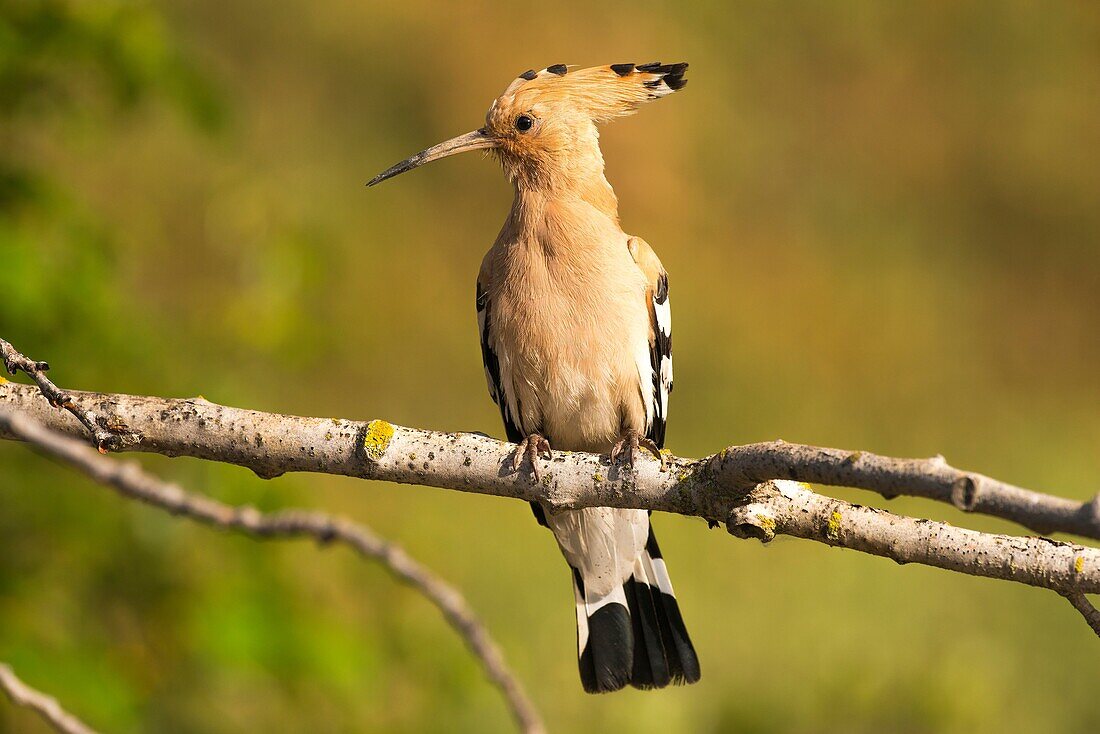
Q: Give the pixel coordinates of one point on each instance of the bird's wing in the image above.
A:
(660, 338)
(488, 356)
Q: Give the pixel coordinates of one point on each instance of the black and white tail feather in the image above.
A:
(634, 635)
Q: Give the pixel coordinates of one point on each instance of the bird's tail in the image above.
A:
(635, 634)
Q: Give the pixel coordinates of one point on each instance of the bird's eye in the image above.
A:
(524, 123)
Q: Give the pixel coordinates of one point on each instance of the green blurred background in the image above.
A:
(881, 222)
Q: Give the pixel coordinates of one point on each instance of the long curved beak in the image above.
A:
(476, 140)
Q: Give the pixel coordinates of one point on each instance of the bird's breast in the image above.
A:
(567, 331)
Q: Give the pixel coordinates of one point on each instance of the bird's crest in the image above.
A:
(602, 92)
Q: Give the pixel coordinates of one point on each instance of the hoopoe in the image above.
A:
(577, 344)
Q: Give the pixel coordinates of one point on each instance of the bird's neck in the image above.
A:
(594, 190)
(562, 202)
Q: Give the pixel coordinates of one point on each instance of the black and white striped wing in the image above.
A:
(656, 371)
(660, 358)
(492, 364)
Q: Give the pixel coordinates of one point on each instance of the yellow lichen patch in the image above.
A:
(833, 529)
(597, 477)
(1079, 564)
(767, 524)
(2, 380)
(377, 439)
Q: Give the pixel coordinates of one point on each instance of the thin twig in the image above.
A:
(932, 478)
(45, 706)
(1081, 603)
(108, 435)
(130, 480)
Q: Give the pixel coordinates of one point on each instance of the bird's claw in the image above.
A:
(632, 440)
(531, 447)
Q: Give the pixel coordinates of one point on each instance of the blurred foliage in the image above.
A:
(75, 70)
(882, 229)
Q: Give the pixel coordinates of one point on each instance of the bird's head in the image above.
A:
(543, 127)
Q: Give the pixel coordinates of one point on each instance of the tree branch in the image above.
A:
(45, 706)
(719, 488)
(791, 508)
(271, 444)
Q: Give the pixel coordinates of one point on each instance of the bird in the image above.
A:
(576, 340)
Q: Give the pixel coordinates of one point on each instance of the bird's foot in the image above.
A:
(530, 448)
(630, 441)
